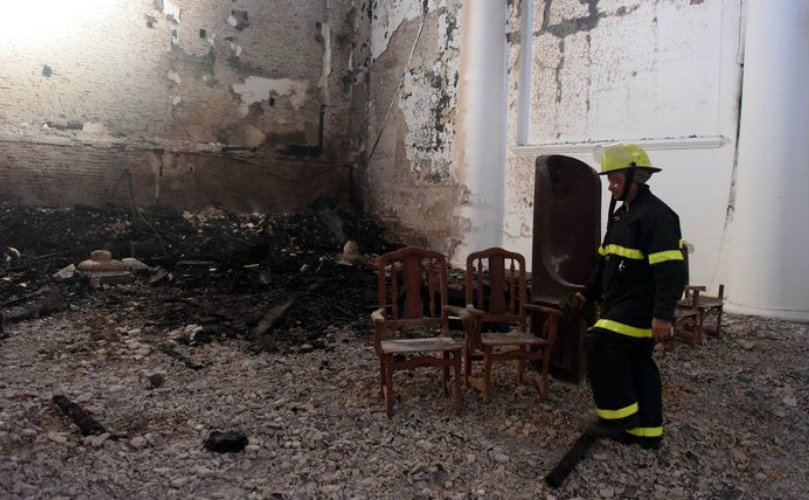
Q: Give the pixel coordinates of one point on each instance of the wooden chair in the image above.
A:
(704, 305)
(411, 326)
(686, 327)
(496, 294)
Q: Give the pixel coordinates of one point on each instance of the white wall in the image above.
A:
(663, 74)
(768, 241)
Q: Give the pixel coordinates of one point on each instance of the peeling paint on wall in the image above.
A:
(257, 89)
(630, 70)
(325, 32)
(238, 19)
(176, 75)
(635, 55)
(428, 103)
(388, 16)
(412, 175)
(169, 9)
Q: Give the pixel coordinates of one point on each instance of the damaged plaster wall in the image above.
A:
(412, 181)
(662, 73)
(169, 91)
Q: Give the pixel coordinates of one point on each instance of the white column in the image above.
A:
(769, 236)
(483, 125)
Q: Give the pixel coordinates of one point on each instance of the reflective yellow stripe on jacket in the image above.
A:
(629, 253)
(632, 331)
(666, 255)
(658, 257)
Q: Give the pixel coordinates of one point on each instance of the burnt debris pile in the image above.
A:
(278, 281)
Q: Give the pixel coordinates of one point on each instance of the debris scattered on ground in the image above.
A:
(226, 442)
(175, 355)
(88, 425)
(231, 274)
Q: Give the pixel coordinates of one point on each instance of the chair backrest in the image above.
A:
(496, 284)
(413, 286)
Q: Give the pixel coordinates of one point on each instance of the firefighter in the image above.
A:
(639, 278)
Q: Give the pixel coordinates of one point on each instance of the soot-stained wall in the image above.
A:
(662, 73)
(199, 101)
(412, 148)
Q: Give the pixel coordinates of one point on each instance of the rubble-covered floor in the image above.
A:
(213, 273)
(737, 407)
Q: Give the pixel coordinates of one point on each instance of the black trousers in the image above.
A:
(626, 384)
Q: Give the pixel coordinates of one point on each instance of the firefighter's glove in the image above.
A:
(570, 304)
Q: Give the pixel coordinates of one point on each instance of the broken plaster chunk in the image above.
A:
(100, 255)
(171, 11)
(94, 128)
(174, 77)
(12, 254)
(133, 264)
(238, 19)
(351, 254)
(176, 100)
(101, 261)
(138, 442)
(96, 441)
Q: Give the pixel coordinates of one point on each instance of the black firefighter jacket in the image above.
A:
(641, 272)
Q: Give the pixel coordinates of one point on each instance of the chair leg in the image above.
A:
(701, 324)
(458, 388)
(445, 373)
(382, 377)
(389, 384)
(521, 365)
(546, 362)
(694, 337)
(719, 322)
(487, 374)
(467, 365)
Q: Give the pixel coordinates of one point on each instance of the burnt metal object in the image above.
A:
(567, 220)
(573, 456)
(273, 316)
(88, 425)
(226, 442)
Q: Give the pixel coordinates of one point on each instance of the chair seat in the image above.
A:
(710, 302)
(684, 312)
(702, 303)
(407, 346)
(510, 338)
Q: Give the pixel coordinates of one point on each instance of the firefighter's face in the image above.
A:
(616, 184)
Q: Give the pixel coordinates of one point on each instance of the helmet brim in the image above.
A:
(651, 169)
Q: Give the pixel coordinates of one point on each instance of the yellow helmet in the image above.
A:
(622, 156)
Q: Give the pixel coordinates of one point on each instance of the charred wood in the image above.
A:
(88, 425)
(168, 351)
